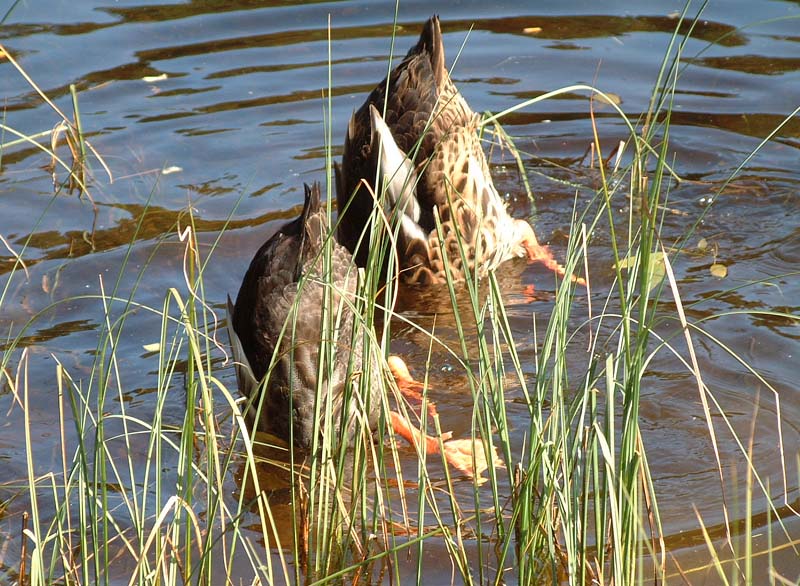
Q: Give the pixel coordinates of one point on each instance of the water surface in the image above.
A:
(229, 96)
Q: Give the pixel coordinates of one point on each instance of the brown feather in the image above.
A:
(431, 124)
(276, 328)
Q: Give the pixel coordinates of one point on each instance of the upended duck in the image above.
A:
(270, 299)
(279, 311)
(426, 154)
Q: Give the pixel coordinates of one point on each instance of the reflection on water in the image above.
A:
(233, 96)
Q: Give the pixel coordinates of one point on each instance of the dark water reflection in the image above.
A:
(230, 95)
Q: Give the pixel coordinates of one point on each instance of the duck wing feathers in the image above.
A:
(277, 323)
(426, 152)
(421, 105)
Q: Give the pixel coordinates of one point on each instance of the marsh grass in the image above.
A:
(191, 498)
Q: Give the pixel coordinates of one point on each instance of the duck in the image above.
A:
(276, 330)
(278, 317)
(418, 137)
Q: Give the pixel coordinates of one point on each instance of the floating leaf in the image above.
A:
(719, 270)
(154, 347)
(154, 78)
(171, 170)
(532, 30)
(703, 244)
(627, 262)
(656, 270)
(608, 98)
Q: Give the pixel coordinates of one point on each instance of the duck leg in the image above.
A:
(541, 253)
(465, 455)
(410, 389)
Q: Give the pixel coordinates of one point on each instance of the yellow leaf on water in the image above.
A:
(154, 347)
(154, 78)
(608, 98)
(627, 262)
(703, 244)
(656, 271)
(719, 270)
(532, 30)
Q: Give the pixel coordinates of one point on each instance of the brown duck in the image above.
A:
(428, 160)
(276, 327)
(279, 316)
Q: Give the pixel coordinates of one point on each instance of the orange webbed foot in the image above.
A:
(410, 389)
(469, 457)
(541, 253)
(415, 437)
(465, 455)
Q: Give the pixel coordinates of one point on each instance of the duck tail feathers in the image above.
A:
(430, 42)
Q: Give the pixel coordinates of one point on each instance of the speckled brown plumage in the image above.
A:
(426, 151)
(279, 309)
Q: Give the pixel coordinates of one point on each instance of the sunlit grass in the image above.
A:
(192, 498)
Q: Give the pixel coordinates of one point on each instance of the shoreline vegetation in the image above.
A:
(195, 497)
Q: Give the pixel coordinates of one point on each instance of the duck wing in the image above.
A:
(277, 321)
(420, 105)
(274, 268)
(245, 380)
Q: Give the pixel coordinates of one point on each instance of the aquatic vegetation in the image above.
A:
(155, 476)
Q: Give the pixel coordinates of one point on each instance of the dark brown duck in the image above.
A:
(278, 317)
(276, 330)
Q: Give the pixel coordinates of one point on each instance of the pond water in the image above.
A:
(229, 97)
